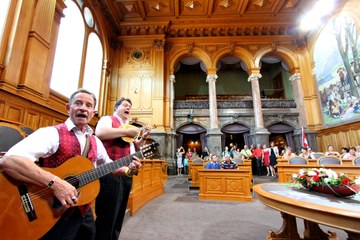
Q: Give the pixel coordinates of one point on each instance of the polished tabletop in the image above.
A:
(340, 212)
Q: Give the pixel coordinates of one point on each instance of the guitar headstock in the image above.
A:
(149, 149)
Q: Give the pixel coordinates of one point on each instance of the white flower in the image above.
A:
(357, 181)
(312, 173)
(294, 176)
(331, 174)
(302, 171)
(326, 180)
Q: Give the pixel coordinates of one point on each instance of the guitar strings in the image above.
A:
(89, 175)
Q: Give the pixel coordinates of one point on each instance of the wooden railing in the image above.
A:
(148, 184)
(285, 171)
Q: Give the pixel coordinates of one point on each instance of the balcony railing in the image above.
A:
(221, 104)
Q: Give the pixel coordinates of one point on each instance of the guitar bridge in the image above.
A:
(27, 203)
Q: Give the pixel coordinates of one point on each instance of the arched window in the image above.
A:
(4, 10)
(5, 22)
(75, 66)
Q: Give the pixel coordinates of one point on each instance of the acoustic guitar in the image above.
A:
(29, 211)
(138, 136)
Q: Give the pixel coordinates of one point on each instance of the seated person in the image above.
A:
(305, 153)
(213, 164)
(228, 164)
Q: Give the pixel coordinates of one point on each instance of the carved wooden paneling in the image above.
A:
(45, 121)
(32, 119)
(14, 112)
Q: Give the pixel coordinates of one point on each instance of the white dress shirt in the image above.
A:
(44, 142)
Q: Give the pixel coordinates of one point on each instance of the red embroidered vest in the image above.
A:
(117, 147)
(69, 147)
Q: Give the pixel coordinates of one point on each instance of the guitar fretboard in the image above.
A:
(96, 173)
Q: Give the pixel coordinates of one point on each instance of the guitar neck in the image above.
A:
(96, 173)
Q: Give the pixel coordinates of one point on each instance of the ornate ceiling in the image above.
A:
(203, 18)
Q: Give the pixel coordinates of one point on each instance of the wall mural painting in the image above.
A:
(337, 67)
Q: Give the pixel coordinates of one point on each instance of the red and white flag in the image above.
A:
(303, 138)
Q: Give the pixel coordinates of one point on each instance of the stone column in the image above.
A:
(213, 133)
(213, 113)
(259, 133)
(172, 97)
(295, 80)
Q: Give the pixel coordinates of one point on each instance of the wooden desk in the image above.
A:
(225, 184)
(314, 208)
(313, 162)
(285, 171)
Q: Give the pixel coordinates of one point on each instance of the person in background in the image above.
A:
(288, 153)
(258, 153)
(213, 164)
(357, 150)
(194, 153)
(344, 151)
(225, 152)
(111, 203)
(179, 160)
(205, 154)
(266, 159)
(189, 154)
(351, 154)
(228, 163)
(53, 146)
(274, 154)
(332, 152)
(305, 153)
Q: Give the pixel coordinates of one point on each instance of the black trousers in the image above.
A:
(259, 165)
(111, 205)
(73, 226)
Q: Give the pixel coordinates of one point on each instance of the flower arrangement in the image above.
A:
(327, 181)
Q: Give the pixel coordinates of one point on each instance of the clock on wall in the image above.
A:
(137, 55)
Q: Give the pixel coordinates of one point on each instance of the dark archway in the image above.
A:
(282, 135)
(236, 134)
(191, 136)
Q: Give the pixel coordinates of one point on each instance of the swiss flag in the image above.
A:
(304, 140)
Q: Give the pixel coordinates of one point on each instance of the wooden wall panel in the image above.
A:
(32, 119)
(14, 112)
(339, 136)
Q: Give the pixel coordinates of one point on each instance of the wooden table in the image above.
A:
(315, 208)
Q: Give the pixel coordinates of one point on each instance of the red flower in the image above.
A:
(316, 178)
(346, 181)
(302, 176)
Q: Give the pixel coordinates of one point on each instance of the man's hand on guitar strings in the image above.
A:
(134, 165)
(65, 193)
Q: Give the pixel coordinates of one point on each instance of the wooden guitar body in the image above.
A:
(28, 211)
(14, 221)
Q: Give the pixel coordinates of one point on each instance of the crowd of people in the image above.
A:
(262, 157)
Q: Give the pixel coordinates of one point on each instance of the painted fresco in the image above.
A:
(337, 68)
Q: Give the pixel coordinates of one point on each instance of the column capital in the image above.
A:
(172, 78)
(294, 77)
(254, 76)
(211, 77)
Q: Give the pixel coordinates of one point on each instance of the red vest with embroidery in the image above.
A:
(116, 148)
(69, 147)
